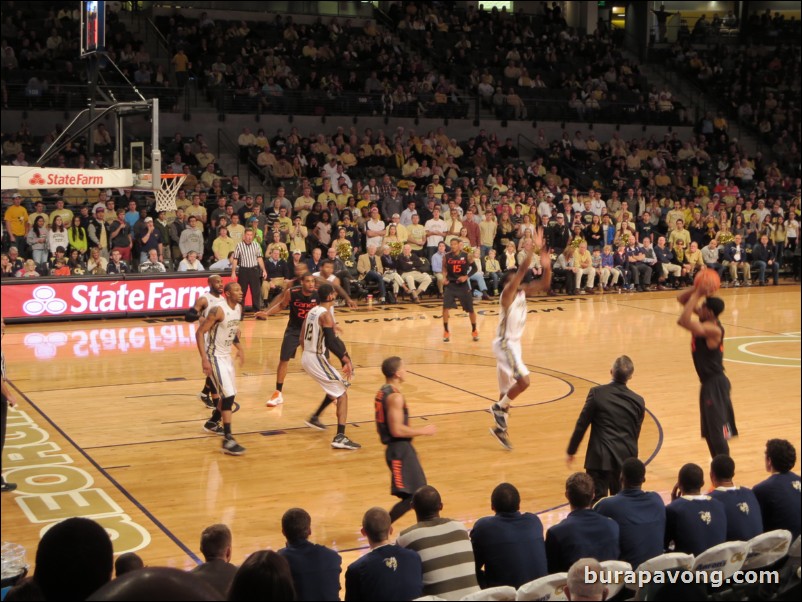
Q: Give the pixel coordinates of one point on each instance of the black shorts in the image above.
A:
(406, 473)
(292, 339)
(715, 408)
(463, 292)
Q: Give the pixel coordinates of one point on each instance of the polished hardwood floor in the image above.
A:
(109, 425)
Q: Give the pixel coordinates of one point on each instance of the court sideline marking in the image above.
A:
(111, 479)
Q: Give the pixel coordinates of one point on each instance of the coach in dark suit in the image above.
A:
(615, 415)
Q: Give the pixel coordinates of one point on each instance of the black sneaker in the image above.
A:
(214, 428)
(502, 437)
(232, 448)
(500, 416)
(207, 400)
(313, 422)
(343, 442)
(4, 487)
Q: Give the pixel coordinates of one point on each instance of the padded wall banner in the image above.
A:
(62, 299)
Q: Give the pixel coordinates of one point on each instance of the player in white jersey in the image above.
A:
(513, 375)
(317, 337)
(199, 311)
(222, 325)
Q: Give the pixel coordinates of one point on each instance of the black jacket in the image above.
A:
(615, 414)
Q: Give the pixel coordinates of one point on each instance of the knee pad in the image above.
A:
(226, 404)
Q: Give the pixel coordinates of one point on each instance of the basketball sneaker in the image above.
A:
(502, 437)
(500, 416)
(446, 337)
(314, 422)
(232, 448)
(475, 335)
(207, 400)
(214, 428)
(343, 442)
(275, 399)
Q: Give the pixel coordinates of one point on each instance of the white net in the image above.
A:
(165, 196)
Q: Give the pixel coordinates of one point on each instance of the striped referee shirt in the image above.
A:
(248, 254)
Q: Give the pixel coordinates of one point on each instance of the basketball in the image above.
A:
(707, 281)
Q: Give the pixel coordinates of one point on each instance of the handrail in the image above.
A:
(735, 124)
(225, 143)
(548, 105)
(163, 41)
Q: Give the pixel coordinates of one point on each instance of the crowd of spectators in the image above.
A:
(427, 60)
(439, 556)
(756, 85)
(350, 190)
(41, 68)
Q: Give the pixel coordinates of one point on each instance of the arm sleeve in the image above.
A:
(334, 344)
(582, 423)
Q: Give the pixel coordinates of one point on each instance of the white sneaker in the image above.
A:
(276, 399)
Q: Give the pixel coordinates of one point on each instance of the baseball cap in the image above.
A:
(560, 215)
(296, 252)
(16, 195)
(148, 219)
(396, 215)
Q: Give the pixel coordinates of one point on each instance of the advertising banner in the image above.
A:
(42, 299)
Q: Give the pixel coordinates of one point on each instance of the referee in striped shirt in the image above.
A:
(248, 257)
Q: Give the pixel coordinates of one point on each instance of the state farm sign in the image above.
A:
(27, 178)
(101, 298)
(66, 180)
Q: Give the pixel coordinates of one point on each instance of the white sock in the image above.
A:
(505, 402)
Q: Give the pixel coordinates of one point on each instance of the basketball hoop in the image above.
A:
(165, 196)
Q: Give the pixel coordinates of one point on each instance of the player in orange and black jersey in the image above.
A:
(707, 350)
(392, 424)
(457, 269)
(300, 299)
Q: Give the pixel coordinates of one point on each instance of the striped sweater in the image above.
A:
(449, 569)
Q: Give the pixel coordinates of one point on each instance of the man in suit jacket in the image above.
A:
(583, 533)
(388, 571)
(615, 415)
(217, 571)
(369, 267)
(315, 568)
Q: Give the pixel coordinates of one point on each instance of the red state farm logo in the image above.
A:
(44, 301)
(36, 180)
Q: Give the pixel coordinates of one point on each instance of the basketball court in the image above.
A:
(109, 425)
